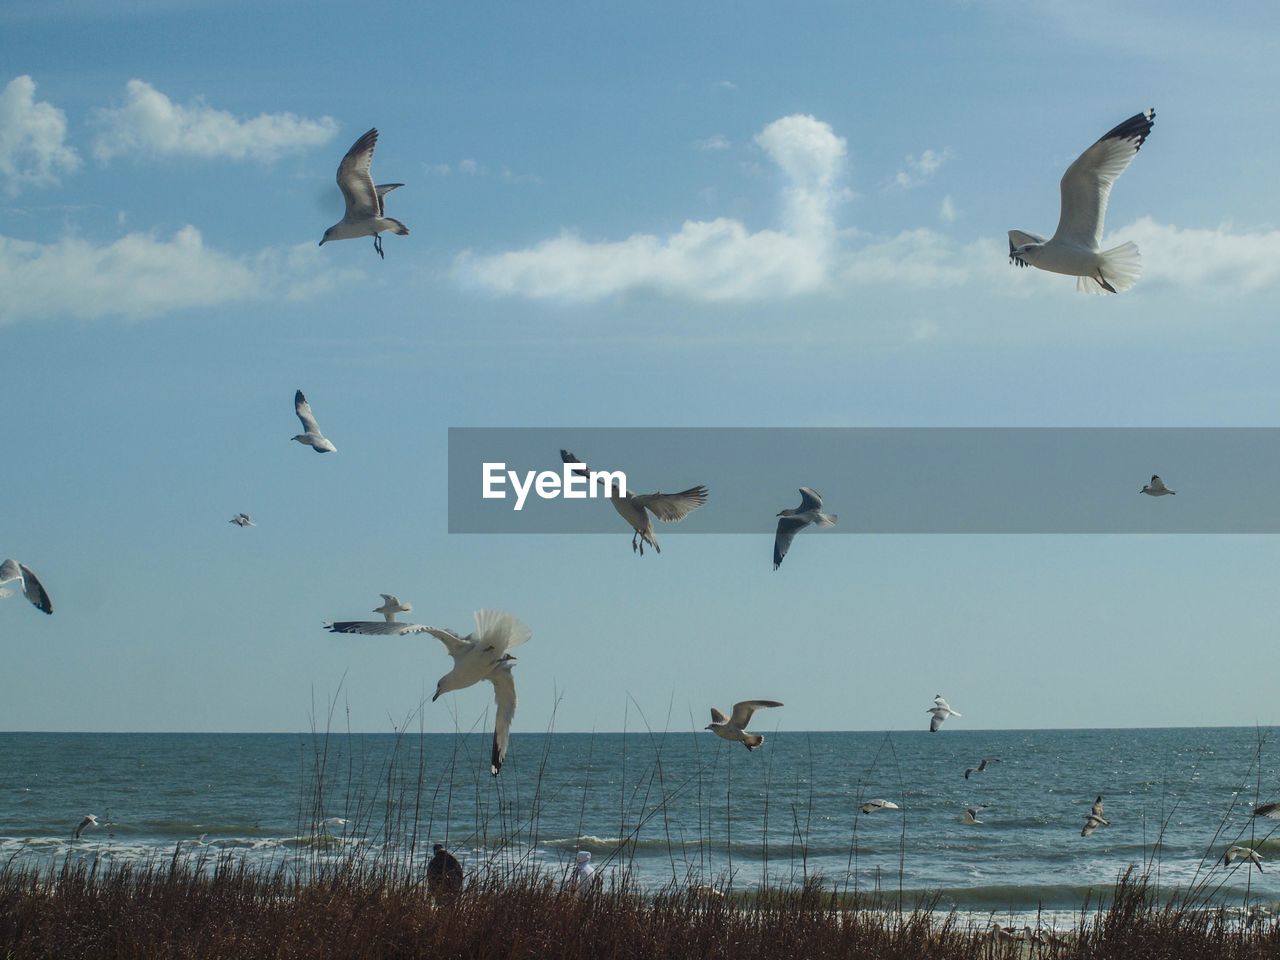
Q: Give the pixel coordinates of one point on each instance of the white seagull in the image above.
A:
(89, 821)
(1086, 186)
(1156, 488)
(391, 605)
(364, 216)
(635, 508)
(734, 727)
(242, 520)
(1095, 818)
(872, 806)
(1247, 853)
(970, 815)
(940, 710)
(793, 521)
(313, 438)
(981, 767)
(32, 588)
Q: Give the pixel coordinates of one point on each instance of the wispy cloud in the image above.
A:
(1216, 261)
(150, 124)
(916, 171)
(33, 149)
(719, 259)
(947, 211)
(717, 141)
(140, 275)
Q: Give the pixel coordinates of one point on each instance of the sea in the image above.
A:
(656, 808)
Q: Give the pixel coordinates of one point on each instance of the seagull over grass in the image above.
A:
(874, 806)
(1074, 248)
(1156, 488)
(311, 436)
(635, 508)
(388, 626)
(1095, 818)
(734, 727)
(793, 521)
(981, 767)
(1246, 853)
(940, 710)
(365, 213)
(242, 520)
(32, 588)
(89, 821)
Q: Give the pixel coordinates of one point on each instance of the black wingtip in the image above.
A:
(1137, 127)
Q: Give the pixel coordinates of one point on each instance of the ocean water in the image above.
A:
(678, 806)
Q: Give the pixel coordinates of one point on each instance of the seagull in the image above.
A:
(391, 605)
(242, 520)
(364, 216)
(970, 815)
(1246, 853)
(89, 821)
(981, 767)
(313, 438)
(940, 710)
(1156, 488)
(1269, 810)
(793, 521)
(1086, 186)
(735, 727)
(482, 655)
(872, 806)
(1095, 818)
(32, 588)
(635, 509)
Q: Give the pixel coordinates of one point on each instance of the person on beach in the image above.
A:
(582, 880)
(444, 874)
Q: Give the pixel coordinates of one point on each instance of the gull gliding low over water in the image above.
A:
(635, 508)
(311, 436)
(981, 767)
(1156, 488)
(874, 806)
(1095, 818)
(32, 588)
(734, 727)
(1269, 810)
(364, 216)
(1086, 187)
(970, 815)
(940, 710)
(89, 821)
(794, 520)
(1246, 853)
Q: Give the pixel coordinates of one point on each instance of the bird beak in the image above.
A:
(436, 697)
(320, 244)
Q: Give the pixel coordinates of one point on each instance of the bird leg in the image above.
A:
(633, 542)
(377, 245)
(1105, 286)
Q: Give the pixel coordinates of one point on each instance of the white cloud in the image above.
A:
(150, 124)
(717, 141)
(140, 275)
(1217, 260)
(704, 260)
(33, 151)
(916, 171)
(947, 212)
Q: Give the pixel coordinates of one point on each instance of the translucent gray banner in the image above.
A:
(884, 480)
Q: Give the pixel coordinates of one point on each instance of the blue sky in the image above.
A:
(677, 215)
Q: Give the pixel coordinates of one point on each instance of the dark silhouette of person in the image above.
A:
(444, 873)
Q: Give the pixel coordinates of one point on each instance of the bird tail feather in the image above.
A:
(1120, 268)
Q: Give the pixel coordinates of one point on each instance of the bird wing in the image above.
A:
(743, 709)
(453, 643)
(303, 410)
(669, 507)
(390, 599)
(969, 770)
(810, 499)
(1157, 483)
(1090, 825)
(1086, 186)
(504, 694)
(9, 570)
(499, 632)
(378, 628)
(356, 182)
(569, 457)
(1269, 810)
(717, 716)
(1096, 809)
(938, 701)
(34, 590)
(382, 190)
(788, 527)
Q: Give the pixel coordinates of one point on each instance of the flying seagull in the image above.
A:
(391, 605)
(242, 520)
(981, 767)
(635, 508)
(1247, 853)
(32, 588)
(313, 438)
(872, 806)
(940, 710)
(364, 216)
(89, 821)
(1095, 818)
(734, 727)
(793, 521)
(1269, 810)
(1156, 488)
(970, 815)
(1086, 186)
